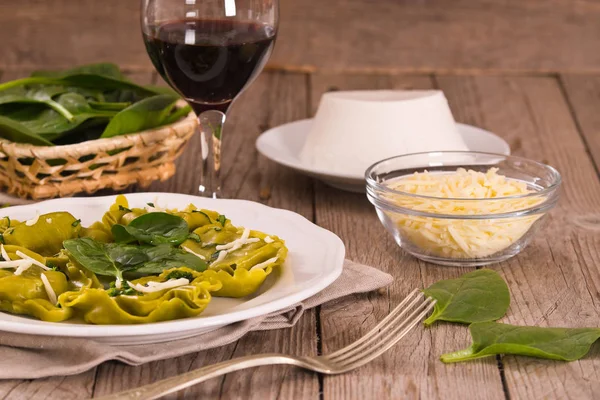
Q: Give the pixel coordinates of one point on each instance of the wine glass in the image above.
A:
(209, 51)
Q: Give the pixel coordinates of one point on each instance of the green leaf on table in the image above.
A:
(492, 338)
(478, 296)
(147, 113)
(93, 256)
(153, 228)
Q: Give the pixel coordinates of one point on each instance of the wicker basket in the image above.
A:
(43, 172)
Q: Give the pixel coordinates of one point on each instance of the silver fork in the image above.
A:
(387, 333)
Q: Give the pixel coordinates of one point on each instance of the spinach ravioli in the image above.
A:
(136, 265)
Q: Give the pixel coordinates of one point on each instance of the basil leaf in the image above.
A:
(93, 256)
(147, 113)
(478, 296)
(491, 338)
(153, 228)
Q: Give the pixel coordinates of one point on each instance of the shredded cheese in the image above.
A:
(33, 260)
(265, 264)
(13, 264)
(237, 243)
(152, 287)
(268, 239)
(193, 252)
(48, 220)
(33, 220)
(462, 238)
(49, 291)
(221, 256)
(24, 266)
(4, 253)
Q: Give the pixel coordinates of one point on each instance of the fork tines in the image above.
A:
(389, 331)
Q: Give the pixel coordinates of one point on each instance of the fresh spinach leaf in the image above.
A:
(93, 256)
(126, 256)
(50, 124)
(147, 113)
(109, 70)
(17, 132)
(111, 106)
(478, 296)
(153, 228)
(163, 257)
(491, 338)
(177, 114)
(37, 94)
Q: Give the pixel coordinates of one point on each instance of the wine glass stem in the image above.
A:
(211, 135)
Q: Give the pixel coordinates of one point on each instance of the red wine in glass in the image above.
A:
(209, 61)
(209, 51)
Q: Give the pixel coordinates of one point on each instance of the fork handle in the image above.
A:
(185, 380)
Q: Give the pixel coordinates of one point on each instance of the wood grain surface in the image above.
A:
(351, 35)
(526, 70)
(555, 281)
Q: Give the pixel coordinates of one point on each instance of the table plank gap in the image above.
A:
(411, 369)
(583, 96)
(558, 273)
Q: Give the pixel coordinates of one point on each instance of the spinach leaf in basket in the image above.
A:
(478, 296)
(50, 124)
(109, 70)
(37, 94)
(17, 132)
(491, 338)
(93, 256)
(153, 228)
(147, 113)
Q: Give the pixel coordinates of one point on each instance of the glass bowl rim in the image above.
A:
(373, 184)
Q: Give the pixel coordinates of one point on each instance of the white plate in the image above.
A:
(283, 144)
(315, 260)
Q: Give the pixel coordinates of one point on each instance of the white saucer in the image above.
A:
(283, 143)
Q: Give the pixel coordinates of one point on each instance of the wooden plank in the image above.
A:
(273, 99)
(358, 35)
(583, 94)
(411, 369)
(60, 387)
(556, 280)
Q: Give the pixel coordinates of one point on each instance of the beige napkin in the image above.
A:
(31, 356)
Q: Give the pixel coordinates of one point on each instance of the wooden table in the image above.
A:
(555, 281)
(526, 70)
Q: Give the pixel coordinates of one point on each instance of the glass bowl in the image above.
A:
(462, 231)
